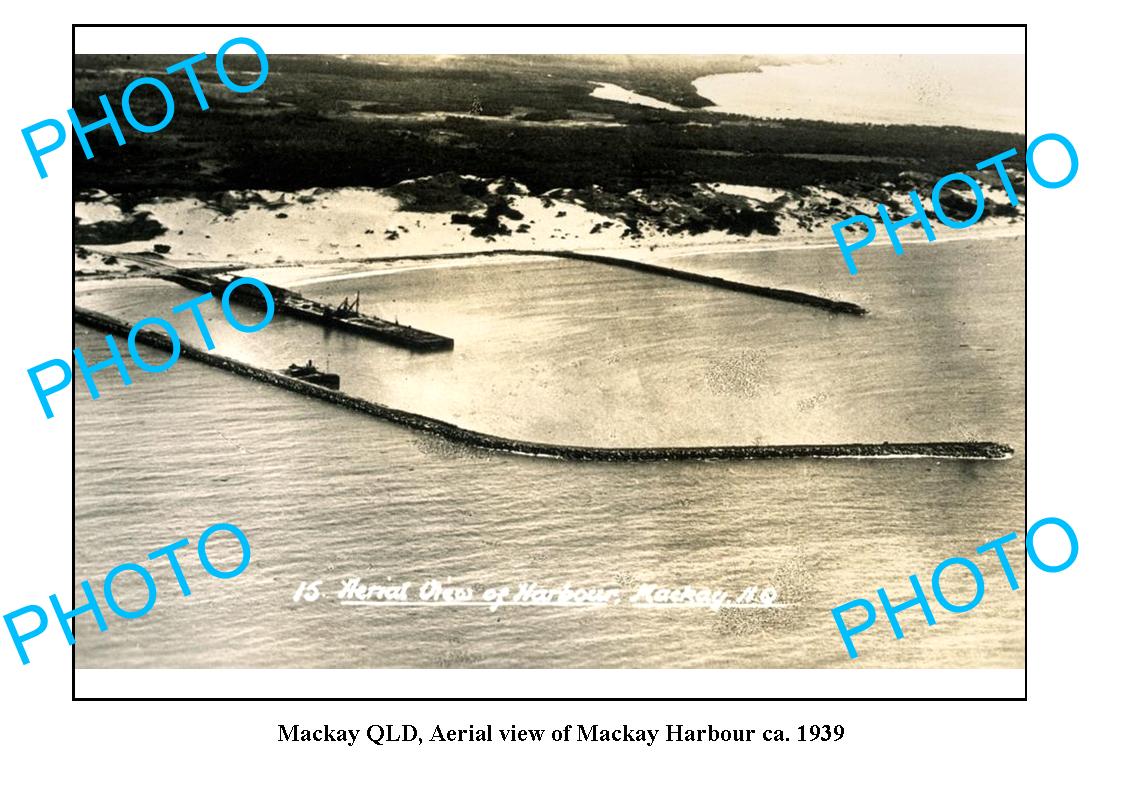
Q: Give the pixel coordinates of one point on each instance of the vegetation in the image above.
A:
(328, 122)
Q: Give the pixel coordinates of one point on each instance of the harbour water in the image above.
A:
(573, 352)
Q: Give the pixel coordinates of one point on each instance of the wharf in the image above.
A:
(288, 302)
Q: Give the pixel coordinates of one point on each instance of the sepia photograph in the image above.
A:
(538, 361)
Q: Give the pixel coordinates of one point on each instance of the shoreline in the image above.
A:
(354, 268)
(749, 247)
(351, 269)
(764, 291)
(348, 227)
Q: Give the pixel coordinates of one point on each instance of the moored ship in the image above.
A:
(311, 374)
(287, 302)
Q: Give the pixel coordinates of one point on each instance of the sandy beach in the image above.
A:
(354, 230)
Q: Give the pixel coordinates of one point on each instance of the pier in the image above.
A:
(937, 450)
(288, 302)
(197, 279)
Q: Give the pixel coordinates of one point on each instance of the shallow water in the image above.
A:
(583, 353)
(610, 91)
(986, 92)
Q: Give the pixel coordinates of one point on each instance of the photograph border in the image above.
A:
(74, 696)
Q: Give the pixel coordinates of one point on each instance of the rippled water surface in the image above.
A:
(575, 352)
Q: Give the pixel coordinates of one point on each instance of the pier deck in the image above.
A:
(288, 302)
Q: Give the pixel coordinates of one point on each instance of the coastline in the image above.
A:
(346, 230)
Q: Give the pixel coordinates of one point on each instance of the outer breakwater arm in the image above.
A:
(947, 450)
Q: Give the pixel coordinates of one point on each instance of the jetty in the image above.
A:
(491, 442)
(345, 317)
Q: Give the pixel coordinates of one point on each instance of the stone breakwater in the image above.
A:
(778, 294)
(775, 293)
(945, 450)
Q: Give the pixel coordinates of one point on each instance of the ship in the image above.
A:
(311, 374)
(978, 450)
(346, 316)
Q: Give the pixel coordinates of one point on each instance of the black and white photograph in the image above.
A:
(552, 361)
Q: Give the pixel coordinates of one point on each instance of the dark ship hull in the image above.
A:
(311, 374)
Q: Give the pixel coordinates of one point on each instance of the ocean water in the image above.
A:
(986, 92)
(567, 351)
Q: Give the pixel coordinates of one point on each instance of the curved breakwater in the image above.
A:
(948, 450)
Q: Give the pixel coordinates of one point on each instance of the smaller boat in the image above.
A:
(311, 374)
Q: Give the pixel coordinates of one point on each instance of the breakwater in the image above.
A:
(777, 294)
(947, 450)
